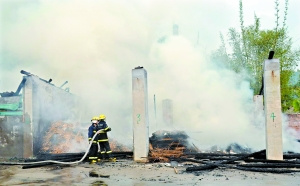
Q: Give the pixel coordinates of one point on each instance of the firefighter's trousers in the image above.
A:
(105, 151)
(93, 151)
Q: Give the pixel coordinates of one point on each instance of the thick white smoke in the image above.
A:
(95, 44)
(212, 104)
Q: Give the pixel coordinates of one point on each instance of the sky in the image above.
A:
(95, 44)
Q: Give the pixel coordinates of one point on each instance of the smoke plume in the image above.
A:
(95, 44)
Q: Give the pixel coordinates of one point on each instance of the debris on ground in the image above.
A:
(93, 173)
(168, 144)
(173, 147)
(238, 161)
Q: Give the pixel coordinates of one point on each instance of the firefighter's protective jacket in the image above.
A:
(91, 132)
(103, 134)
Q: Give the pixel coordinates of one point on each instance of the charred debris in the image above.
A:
(166, 146)
(173, 146)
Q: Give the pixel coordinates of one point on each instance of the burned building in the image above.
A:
(26, 115)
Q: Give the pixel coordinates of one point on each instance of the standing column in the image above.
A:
(272, 100)
(140, 115)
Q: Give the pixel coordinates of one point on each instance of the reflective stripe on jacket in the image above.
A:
(102, 137)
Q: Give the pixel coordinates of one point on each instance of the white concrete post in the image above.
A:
(272, 100)
(140, 115)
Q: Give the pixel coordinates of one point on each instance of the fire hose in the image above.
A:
(53, 161)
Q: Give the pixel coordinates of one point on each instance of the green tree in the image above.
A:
(249, 47)
(296, 91)
(296, 105)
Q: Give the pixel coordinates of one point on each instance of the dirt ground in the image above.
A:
(127, 172)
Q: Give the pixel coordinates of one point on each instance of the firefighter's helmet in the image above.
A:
(95, 119)
(102, 117)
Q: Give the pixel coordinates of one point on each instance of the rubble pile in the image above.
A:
(168, 144)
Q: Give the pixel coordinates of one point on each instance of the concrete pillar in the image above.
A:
(167, 107)
(140, 115)
(272, 100)
(28, 118)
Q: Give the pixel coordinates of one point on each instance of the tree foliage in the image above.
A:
(249, 47)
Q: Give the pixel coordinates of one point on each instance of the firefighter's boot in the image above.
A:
(93, 161)
(112, 159)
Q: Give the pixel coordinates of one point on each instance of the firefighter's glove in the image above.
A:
(109, 129)
(98, 132)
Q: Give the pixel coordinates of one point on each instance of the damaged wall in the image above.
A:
(43, 104)
(11, 125)
(49, 104)
(11, 136)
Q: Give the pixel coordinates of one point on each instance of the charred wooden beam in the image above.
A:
(261, 91)
(49, 156)
(271, 161)
(123, 152)
(42, 155)
(221, 163)
(276, 167)
(207, 166)
(255, 154)
(36, 165)
(53, 158)
(199, 168)
(35, 160)
(239, 157)
(271, 54)
(47, 163)
(215, 157)
(291, 156)
(212, 158)
(271, 165)
(267, 170)
(197, 154)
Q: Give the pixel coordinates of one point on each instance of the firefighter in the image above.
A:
(105, 151)
(94, 147)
